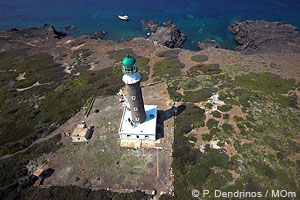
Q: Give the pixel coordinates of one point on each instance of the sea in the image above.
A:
(197, 19)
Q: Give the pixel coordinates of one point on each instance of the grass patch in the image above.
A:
(143, 67)
(119, 55)
(167, 69)
(209, 69)
(199, 58)
(199, 95)
(168, 54)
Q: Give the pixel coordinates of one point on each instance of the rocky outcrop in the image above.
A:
(98, 35)
(45, 32)
(168, 35)
(67, 28)
(208, 43)
(150, 25)
(262, 36)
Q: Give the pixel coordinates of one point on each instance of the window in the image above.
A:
(128, 135)
(133, 98)
(130, 69)
(135, 108)
(137, 137)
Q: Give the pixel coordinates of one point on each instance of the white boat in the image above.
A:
(123, 17)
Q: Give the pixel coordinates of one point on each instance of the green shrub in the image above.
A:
(225, 116)
(264, 169)
(173, 94)
(265, 82)
(209, 105)
(211, 123)
(227, 128)
(207, 137)
(197, 175)
(191, 117)
(224, 108)
(216, 114)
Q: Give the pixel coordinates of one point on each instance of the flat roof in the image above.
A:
(79, 131)
(146, 128)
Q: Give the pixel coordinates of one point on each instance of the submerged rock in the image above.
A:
(262, 36)
(168, 35)
(67, 28)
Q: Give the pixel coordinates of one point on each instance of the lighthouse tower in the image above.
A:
(132, 79)
(138, 123)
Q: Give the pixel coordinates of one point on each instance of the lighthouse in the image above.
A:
(138, 123)
(132, 78)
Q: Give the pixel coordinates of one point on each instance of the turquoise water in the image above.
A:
(198, 19)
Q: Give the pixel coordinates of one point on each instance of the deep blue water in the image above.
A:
(198, 19)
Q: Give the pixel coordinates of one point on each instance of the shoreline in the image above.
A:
(247, 34)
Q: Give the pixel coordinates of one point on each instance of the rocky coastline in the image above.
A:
(251, 36)
(261, 37)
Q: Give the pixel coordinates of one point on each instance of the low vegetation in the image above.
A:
(34, 112)
(268, 130)
(170, 66)
(199, 58)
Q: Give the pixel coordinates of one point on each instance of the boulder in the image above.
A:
(150, 25)
(261, 36)
(13, 29)
(98, 35)
(208, 43)
(168, 35)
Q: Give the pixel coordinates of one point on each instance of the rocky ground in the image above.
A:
(237, 119)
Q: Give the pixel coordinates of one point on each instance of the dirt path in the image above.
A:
(66, 127)
(153, 60)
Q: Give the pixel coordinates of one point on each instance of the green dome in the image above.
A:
(128, 61)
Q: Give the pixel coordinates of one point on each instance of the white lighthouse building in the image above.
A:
(138, 123)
